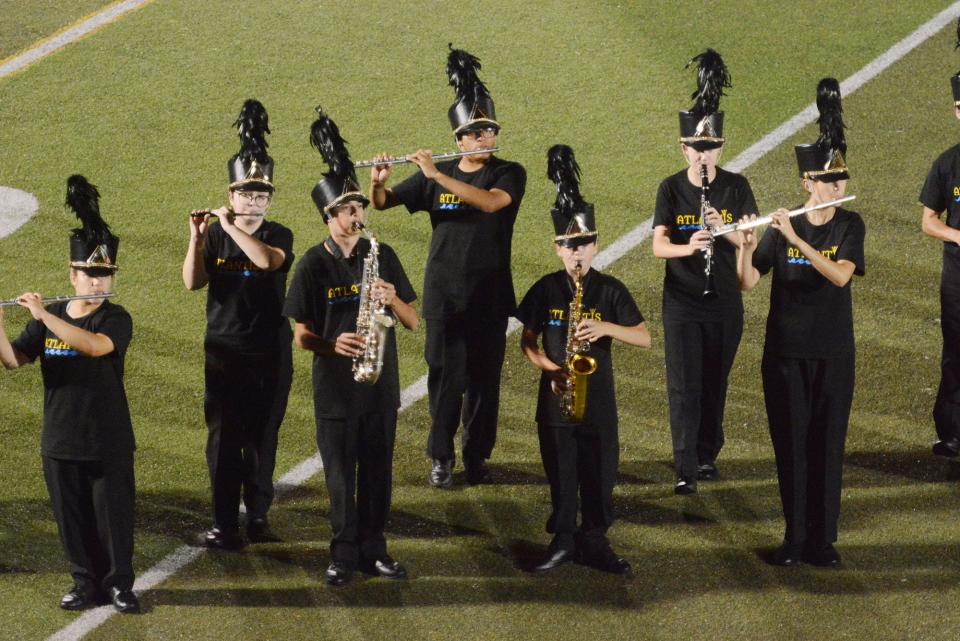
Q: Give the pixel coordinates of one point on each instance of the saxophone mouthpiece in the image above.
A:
(357, 226)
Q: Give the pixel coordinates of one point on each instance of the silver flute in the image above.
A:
(435, 157)
(766, 220)
(58, 299)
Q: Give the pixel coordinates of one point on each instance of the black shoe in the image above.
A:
(823, 556)
(79, 598)
(441, 474)
(258, 531)
(685, 486)
(949, 448)
(554, 560)
(707, 472)
(786, 555)
(477, 471)
(124, 601)
(606, 560)
(219, 539)
(386, 567)
(338, 574)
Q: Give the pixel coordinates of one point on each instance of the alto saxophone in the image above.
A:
(573, 401)
(373, 322)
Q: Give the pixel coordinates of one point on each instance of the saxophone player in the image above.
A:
(579, 457)
(356, 422)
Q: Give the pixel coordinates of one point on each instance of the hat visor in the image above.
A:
(252, 185)
(703, 144)
(100, 270)
(354, 196)
(828, 176)
(572, 241)
(474, 125)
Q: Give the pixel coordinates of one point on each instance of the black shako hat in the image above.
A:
(573, 219)
(473, 108)
(92, 246)
(251, 168)
(824, 160)
(339, 184)
(702, 126)
(955, 79)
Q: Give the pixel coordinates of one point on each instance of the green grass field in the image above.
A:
(143, 108)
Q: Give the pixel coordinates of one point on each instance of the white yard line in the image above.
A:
(173, 562)
(58, 41)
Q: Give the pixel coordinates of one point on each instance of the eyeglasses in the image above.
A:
(477, 134)
(250, 197)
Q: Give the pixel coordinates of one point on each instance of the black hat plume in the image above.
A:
(252, 127)
(84, 199)
(831, 115)
(712, 78)
(340, 182)
(325, 138)
(573, 219)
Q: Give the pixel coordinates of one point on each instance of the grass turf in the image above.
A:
(144, 108)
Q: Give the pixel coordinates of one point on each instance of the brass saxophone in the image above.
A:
(373, 322)
(573, 401)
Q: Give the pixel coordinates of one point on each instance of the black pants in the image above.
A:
(465, 356)
(579, 460)
(946, 409)
(699, 356)
(93, 503)
(357, 458)
(808, 407)
(244, 404)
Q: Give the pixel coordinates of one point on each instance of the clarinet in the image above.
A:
(708, 288)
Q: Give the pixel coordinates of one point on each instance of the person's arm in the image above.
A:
(347, 344)
(486, 200)
(405, 313)
(747, 275)
(194, 271)
(10, 356)
(934, 227)
(264, 256)
(381, 196)
(87, 343)
(663, 247)
(837, 272)
(530, 346)
(593, 330)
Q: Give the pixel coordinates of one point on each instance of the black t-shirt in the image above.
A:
(325, 295)
(85, 412)
(809, 316)
(678, 209)
(544, 310)
(468, 268)
(244, 302)
(941, 192)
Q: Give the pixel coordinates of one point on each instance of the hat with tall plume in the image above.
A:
(702, 126)
(251, 168)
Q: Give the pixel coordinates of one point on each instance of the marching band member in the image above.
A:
(940, 194)
(809, 351)
(701, 330)
(87, 442)
(248, 371)
(356, 421)
(468, 287)
(580, 455)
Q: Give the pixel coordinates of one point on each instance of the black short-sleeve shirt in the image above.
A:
(810, 317)
(85, 411)
(325, 295)
(941, 193)
(468, 267)
(244, 302)
(678, 209)
(544, 310)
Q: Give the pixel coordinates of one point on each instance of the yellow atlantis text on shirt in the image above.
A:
(55, 343)
(830, 254)
(230, 265)
(341, 291)
(450, 199)
(694, 219)
(561, 314)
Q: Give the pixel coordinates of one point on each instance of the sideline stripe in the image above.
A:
(66, 36)
(184, 555)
